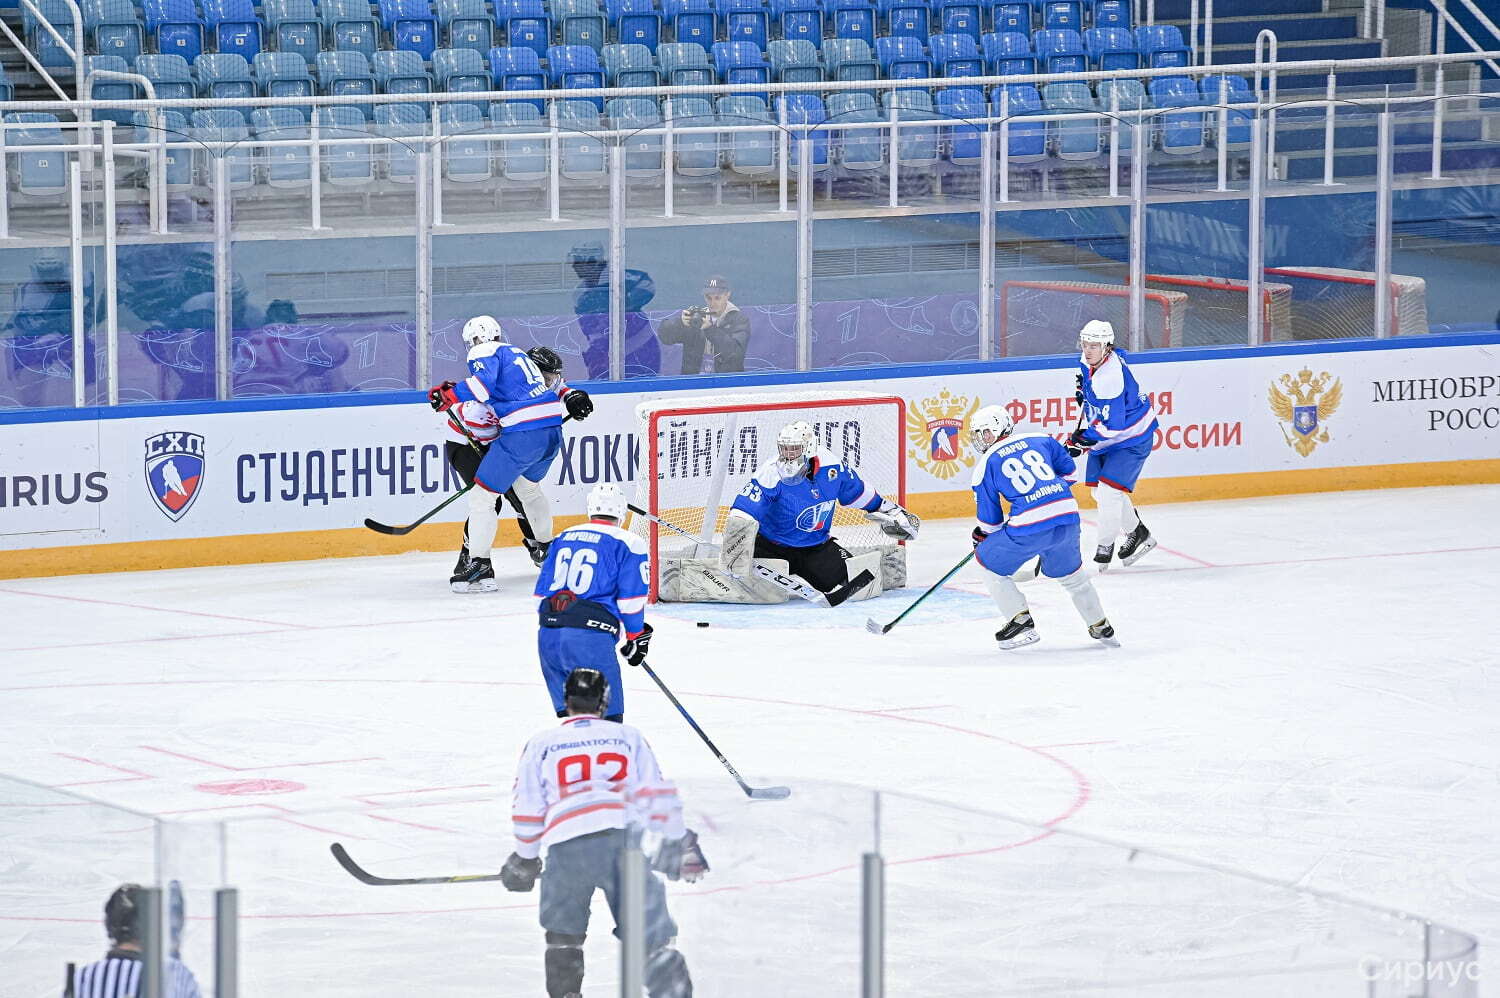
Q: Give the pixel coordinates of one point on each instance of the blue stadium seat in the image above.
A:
(223, 125)
(515, 67)
(1162, 46)
(176, 26)
(396, 122)
(345, 164)
(522, 160)
(110, 89)
(349, 24)
(525, 23)
(46, 49)
(631, 66)
(746, 21)
(171, 126)
(799, 20)
(1220, 89)
(283, 74)
(581, 22)
(1179, 133)
(235, 26)
(1008, 53)
(1060, 15)
(295, 27)
(960, 106)
(411, 25)
(741, 62)
(1028, 142)
(582, 153)
(902, 58)
(637, 22)
(692, 21)
(956, 55)
(696, 153)
(1112, 14)
(852, 19)
(170, 75)
(905, 19)
(1061, 51)
(747, 153)
(223, 74)
(462, 71)
(794, 60)
(959, 17)
(286, 166)
(401, 73)
(916, 145)
(1013, 17)
(466, 159)
(39, 174)
(685, 63)
(7, 90)
(343, 74)
(643, 153)
(574, 67)
(1073, 140)
(859, 149)
(466, 24)
(807, 109)
(113, 25)
(849, 59)
(1120, 97)
(1111, 48)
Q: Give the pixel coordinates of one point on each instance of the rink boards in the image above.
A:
(140, 487)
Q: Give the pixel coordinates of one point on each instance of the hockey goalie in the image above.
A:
(777, 538)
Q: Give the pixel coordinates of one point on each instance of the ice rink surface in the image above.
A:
(1306, 690)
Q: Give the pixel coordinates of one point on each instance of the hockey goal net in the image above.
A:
(1330, 303)
(1044, 317)
(697, 453)
(1219, 309)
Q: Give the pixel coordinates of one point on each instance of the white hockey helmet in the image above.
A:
(1097, 331)
(993, 418)
(482, 329)
(606, 500)
(794, 446)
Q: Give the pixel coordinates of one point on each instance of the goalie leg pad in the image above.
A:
(870, 561)
(738, 549)
(564, 962)
(536, 507)
(667, 975)
(703, 580)
(892, 567)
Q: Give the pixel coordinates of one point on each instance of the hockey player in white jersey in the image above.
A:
(1033, 476)
(585, 791)
(1119, 428)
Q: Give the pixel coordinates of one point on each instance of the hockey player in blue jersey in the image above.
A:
(786, 511)
(1120, 425)
(1032, 474)
(529, 413)
(593, 587)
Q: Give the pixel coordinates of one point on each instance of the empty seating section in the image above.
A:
(643, 153)
(630, 65)
(345, 163)
(465, 24)
(400, 73)
(524, 158)
(234, 27)
(42, 174)
(410, 25)
(696, 153)
(349, 25)
(525, 24)
(106, 88)
(795, 61)
(169, 74)
(294, 26)
(168, 127)
(283, 74)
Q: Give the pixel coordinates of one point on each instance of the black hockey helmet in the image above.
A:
(586, 691)
(122, 914)
(546, 359)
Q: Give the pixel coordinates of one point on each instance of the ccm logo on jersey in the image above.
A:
(815, 518)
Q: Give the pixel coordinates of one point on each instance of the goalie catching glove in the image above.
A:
(633, 651)
(519, 874)
(681, 859)
(895, 521)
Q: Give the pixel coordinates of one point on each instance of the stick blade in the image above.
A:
(381, 528)
(875, 628)
(770, 793)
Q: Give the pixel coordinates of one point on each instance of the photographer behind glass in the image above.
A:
(719, 323)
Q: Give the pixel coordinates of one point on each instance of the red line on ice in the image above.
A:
(95, 762)
(156, 609)
(254, 769)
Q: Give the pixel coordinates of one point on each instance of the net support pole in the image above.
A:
(872, 926)
(111, 292)
(804, 250)
(226, 943)
(1384, 154)
(554, 164)
(1137, 300)
(75, 267)
(1223, 134)
(223, 278)
(669, 159)
(426, 164)
(894, 182)
(1255, 266)
(1114, 143)
(5, 190)
(783, 154)
(315, 172)
(1004, 145)
(987, 245)
(1328, 130)
(632, 922)
(617, 261)
(435, 175)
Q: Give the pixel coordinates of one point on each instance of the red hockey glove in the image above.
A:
(978, 536)
(442, 397)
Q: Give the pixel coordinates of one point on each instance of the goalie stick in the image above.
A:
(365, 877)
(875, 628)
(754, 793)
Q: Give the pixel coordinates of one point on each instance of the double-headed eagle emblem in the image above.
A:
(1305, 403)
(935, 431)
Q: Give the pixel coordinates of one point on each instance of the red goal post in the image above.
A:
(696, 454)
(1044, 317)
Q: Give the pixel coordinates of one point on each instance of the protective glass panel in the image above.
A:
(36, 340)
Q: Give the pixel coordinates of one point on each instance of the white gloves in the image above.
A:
(895, 521)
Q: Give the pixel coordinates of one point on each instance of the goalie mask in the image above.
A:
(989, 426)
(794, 449)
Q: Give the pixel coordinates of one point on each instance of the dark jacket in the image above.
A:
(729, 336)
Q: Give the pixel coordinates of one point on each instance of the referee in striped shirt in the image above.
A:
(118, 975)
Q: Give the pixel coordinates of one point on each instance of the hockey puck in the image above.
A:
(702, 623)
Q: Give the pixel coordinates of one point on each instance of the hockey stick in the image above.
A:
(754, 793)
(874, 628)
(365, 877)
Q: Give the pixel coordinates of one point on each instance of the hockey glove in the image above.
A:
(442, 397)
(633, 651)
(978, 536)
(1078, 388)
(578, 403)
(681, 859)
(519, 874)
(1077, 439)
(895, 521)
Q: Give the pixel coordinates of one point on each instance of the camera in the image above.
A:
(698, 314)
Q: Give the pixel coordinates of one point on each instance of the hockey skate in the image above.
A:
(1137, 544)
(1103, 633)
(477, 577)
(537, 550)
(1019, 633)
(1103, 555)
(463, 560)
